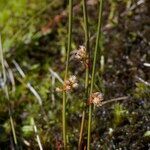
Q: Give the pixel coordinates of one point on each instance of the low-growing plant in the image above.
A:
(56, 98)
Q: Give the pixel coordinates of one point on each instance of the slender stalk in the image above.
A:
(66, 72)
(93, 71)
(86, 44)
(36, 132)
(7, 93)
(115, 100)
(87, 69)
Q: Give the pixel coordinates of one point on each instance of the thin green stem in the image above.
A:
(93, 71)
(87, 69)
(66, 71)
(86, 44)
(86, 25)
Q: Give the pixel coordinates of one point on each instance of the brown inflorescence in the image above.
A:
(96, 99)
(81, 55)
(69, 84)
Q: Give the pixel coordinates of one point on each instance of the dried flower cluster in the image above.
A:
(96, 99)
(69, 84)
(81, 55)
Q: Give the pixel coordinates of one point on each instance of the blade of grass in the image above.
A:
(37, 135)
(66, 72)
(7, 94)
(93, 71)
(11, 76)
(87, 68)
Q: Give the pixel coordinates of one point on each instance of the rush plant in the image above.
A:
(66, 72)
(93, 70)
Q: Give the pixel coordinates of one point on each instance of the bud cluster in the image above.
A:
(96, 99)
(69, 84)
(81, 55)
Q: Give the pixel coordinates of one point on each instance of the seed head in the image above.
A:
(69, 84)
(73, 79)
(81, 55)
(96, 99)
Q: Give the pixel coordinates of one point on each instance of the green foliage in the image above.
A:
(19, 20)
(141, 91)
(147, 134)
(7, 127)
(119, 114)
(27, 128)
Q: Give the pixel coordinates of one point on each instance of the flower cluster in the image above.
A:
(81, 55)
(69, 84)
(96, 99)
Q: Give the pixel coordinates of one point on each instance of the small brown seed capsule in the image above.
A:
(81, 55)
(69, 84)
(96, 99)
